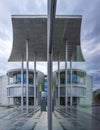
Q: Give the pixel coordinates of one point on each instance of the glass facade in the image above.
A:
(45, 86)
(17, 78)
(77, 77)
(17, 101)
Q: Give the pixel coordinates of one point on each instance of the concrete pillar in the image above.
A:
(22, 86)
(27, 75)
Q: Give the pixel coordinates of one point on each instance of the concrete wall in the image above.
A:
(3, 86)
(89, 84)
(87, 101)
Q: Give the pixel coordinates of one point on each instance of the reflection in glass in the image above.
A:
(77, 78)
(17, 78)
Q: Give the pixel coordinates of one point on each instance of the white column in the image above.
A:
(8, 79)
(59, 82)
(27, 75)
(66, 89)
(34, 80)
(71, 83)
(22, 85)
(7, 89)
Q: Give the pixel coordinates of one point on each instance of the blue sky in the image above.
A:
(90, 30)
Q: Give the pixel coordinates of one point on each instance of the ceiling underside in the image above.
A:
(66, 29)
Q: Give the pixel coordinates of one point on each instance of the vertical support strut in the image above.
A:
(71, 83)
(22, 85)
(34, 80)
(59, 82)
(66, 88)
(50, 23)
(27, 75)
(50, 92)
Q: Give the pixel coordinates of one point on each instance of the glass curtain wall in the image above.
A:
(17, 78)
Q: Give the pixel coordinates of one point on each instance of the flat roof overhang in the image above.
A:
(34, 28)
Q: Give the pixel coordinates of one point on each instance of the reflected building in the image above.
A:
(82, 85)
(10, 87)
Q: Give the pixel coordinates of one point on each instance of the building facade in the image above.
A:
(10, 87)
(81, 84)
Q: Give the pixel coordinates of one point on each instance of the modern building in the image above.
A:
(82, 85)
(46, 38)
(79, 86)
(11, 87)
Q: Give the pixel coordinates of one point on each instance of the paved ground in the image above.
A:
(13, 119)
(70, 119)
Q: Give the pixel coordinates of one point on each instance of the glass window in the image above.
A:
(18, 78)
(24, 78)
(74, 78)
(31, 91)
(30, 78)
(68, 78)
(77, 78)
(11, 80)
(45, 86)
(62, 77)
(62, 91)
